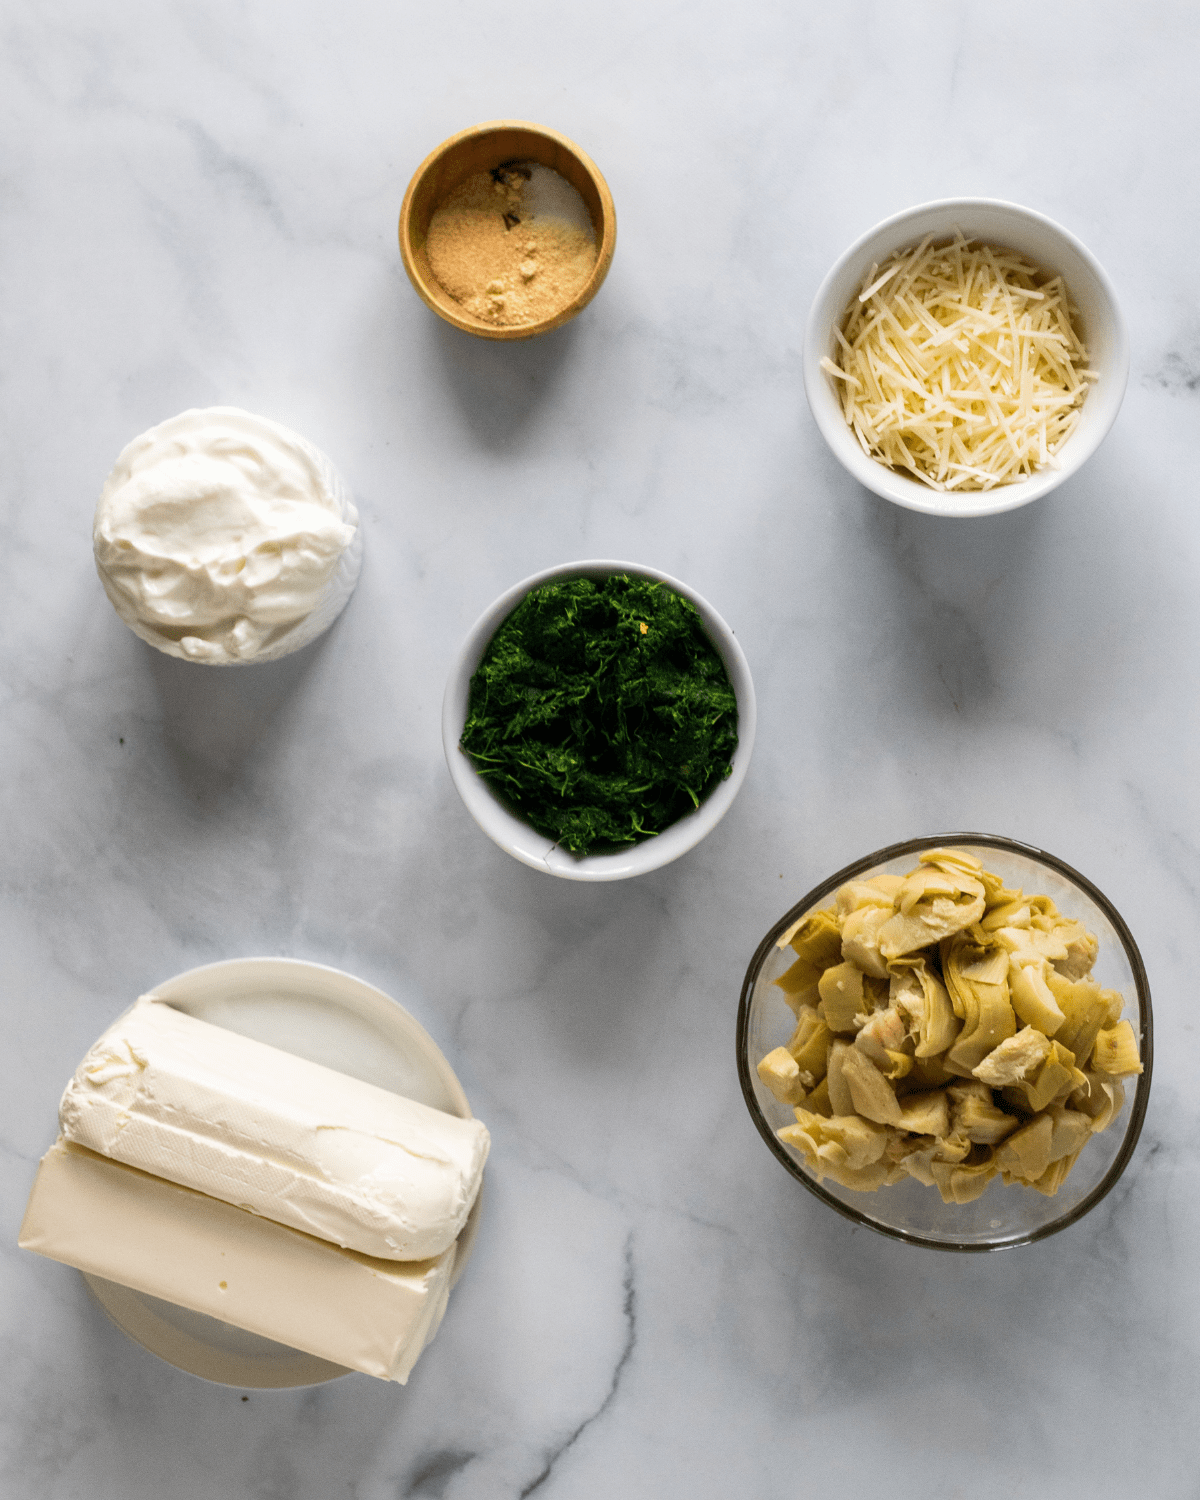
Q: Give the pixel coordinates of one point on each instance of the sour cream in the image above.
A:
(222, 537)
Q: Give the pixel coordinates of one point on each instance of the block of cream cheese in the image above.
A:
(170, 1242)
(222, 537)
(286, 1138)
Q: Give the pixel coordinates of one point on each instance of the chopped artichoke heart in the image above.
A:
(860, 939)
(816, 937)
(856, 894)
(1014, 1059)
(1085, 1009)
(987, 1015)
(1054, 1176)
(962, 1183)
(882, 1035)
(1031, 945)
(1026, 1153)
(921, 997)
(1116, 1050)
(1056, 1078)
(1048, 944)
(1070, 1129)
(929, 922)
(919, 1162)
(1100, 1098)
(839, 1141)
(780, 1074)
(1016, 940)
(1014, 914)
(810, 1045)
(874, 1098)
(840, 1098)
(1081, 946)
(991, 967)
(841, 990)
(863, 1179)
(807, 1019)
(800, 977)
(975, 1116)
(953, 859)
(899, 1065)
(817, 1102)
(1032, 999)
(926, 1114)
(906, 994)
(925, 884)
(1044, 911)
(995, 892)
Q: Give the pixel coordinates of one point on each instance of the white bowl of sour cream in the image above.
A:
(225, 538)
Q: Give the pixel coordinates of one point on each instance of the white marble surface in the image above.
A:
(199, 206)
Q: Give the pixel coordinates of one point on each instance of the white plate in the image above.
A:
(330, 1018)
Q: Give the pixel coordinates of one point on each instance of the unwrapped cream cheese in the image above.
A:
(287, 1139)
(126, 1226)
(222, 537)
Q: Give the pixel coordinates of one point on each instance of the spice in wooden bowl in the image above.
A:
(507, 230)
(513, 245)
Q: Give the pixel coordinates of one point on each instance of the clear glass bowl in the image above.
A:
(1002, 1216)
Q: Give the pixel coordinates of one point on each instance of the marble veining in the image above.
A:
(199, 207)
(630, 1311)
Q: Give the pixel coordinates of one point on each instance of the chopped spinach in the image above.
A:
(601, 711)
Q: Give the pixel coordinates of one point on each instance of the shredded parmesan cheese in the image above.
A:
(958, 363)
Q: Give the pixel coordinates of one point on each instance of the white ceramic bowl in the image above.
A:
(997, 223)
(517, 837)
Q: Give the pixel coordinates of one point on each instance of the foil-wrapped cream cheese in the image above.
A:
(222, 537)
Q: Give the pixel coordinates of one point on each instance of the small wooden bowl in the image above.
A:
(480, 149)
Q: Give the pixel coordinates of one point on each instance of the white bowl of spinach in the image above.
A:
(599, 719)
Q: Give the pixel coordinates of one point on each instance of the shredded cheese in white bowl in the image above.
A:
(960, 364)
(965, 357)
